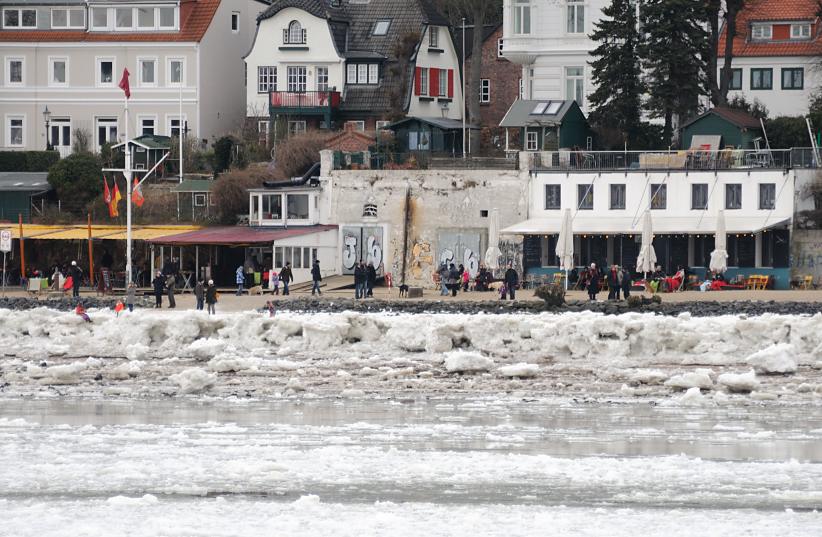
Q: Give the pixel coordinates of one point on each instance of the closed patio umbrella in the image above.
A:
(565, 245)
(646, 261)
(719, 257)
(493, 253)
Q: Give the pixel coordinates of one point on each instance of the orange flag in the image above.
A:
(112, 207)
(113, 210)
(137, 194)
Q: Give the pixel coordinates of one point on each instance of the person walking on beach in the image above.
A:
(360, 278)
(131, 295)
(76, 279)
(286, 277)
(593, 282)
(453, 279)
(316, 277)
(626, 283)
(274, 282)
(159, 286)
(511, 281)
(199, 294)
(211, 297)
(614, 282)
(444, 273)
(240, 279)
(171, 283)
(370, 279)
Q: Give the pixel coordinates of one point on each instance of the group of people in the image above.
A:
(617, 278)
(365, 277)
(660, 281)
(453, 278)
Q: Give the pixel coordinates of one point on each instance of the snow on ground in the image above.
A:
(569, 355)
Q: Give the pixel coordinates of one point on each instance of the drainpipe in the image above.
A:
(406, 225)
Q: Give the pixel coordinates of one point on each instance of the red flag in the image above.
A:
(115, 199)
(106, 191)
(124, 84)
(137, 194)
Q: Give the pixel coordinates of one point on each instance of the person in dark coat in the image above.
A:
(626, 284)
(211, 297)
(317, 277)
(614, 282)
(76, 279)
(453, 279)
(171, 283)
(593, 282)
(511, 281)
(199, 294)
(360, 280)
(286, 277)
(370, 279)
(159, 283)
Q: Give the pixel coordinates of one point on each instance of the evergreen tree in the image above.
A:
(671, 51)
(616, 72)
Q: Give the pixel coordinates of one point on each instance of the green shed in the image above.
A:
(18, 190)
(548, 125)
(737, 128)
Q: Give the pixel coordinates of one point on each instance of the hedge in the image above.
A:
(27, 161)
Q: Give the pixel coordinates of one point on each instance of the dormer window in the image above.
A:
(130, 19)
(381, 27)
(761, 31)
(19, 18)
(433, 37)
(68, 18)
(295, 34)
(801, 31)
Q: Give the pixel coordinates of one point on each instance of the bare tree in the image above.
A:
(719, 86)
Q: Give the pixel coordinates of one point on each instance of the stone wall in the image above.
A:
(443, 212)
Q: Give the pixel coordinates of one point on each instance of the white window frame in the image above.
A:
(173, 117)
(761, 31)
(573, 8)
(107, 122)
(424, 82)
(801, 30)
(263, 131)
(19, 11)
(300, 78)
(8, 119)
(296, 126)
(60, 124)
(154, 16)
(531, 142)
(500, 45)
(381, 27)
(351, 73)
(7, 68)
(131, 24)
(381, 124)
(109, 19)
(51, 81)
(362, 73)
(264, 78)
(142, 83)
(174, 25)
(170, 82)
(485, 90)
(68, 24)
(98, 61)
(200, 199)
(321, 79)
(443, 83)
(144, 117)
(571, 83)
(522, 17)
(373, 73)
(235, 17)
(433, 37)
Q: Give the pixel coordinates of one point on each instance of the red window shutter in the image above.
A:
(417, 80)
(450, 83)
(434, 82)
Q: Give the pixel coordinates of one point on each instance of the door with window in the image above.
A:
(296, 79)
(106, 131)
(60, 135)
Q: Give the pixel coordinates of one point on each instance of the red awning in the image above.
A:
(238, 235)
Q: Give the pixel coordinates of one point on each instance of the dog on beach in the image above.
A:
(403, 290)
(257, 290)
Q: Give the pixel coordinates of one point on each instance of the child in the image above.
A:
(131, 295)
(119, 307)
(274, 282)
(269, 305)
(81, 311)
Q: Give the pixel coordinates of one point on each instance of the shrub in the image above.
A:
(294, 155)
(656, 299)
(231, 192)
(552, 294)
(222, 153)
(27, 161)
(77, 179)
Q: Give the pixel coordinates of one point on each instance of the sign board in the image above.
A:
(5, 240)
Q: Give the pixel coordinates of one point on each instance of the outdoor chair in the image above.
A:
(807, 283)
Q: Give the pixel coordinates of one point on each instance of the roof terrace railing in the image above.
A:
(698, 160)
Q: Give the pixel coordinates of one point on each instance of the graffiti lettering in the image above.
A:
(349, 251)
(471, 262)
(447, 256)
(374, 251)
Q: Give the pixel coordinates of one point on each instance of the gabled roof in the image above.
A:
(439, 122)
(24, 182)
(150, 141)
(195, 19)
(522, 113)
(738, 118)
(776, 11)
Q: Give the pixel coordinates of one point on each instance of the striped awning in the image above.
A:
(98, 232)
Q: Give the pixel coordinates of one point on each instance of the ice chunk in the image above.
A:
(692, 397)
(739, 382)
(203, 349)
(63, 374)
(137, 351)
(648, 376)
(686, 381)
(126, 370)
(194, 380)
(519, 370)
(467, 362)
(295, 384)
(146, 499)
(775, 359)
(226, 364)
(352, 393)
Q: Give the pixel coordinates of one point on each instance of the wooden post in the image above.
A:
(90, 254)
(22, 247)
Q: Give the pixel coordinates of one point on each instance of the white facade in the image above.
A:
(443, 57)
(77, 80)
(773, 81)
(550, 40)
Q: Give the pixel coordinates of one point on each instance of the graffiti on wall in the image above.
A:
(362, 243)
(461, 248)
(511, 254)
(422, 261)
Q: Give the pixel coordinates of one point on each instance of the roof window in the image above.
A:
(381, 27)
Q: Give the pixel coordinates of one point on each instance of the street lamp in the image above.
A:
(47, 118)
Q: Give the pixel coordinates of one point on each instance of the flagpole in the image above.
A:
(127, 173)
(90, 253)
(181, 125)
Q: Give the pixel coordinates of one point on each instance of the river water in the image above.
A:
(432, 466)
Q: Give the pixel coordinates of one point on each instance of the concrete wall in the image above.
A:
(443, 213)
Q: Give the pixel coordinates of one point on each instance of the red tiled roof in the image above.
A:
(774, 11)
(238, 235)
(195, 18)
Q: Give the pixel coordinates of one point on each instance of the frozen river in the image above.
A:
(440, 466)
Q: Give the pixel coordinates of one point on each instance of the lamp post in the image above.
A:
(47, 119)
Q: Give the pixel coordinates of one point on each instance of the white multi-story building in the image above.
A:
(69, 56)
(776, 53)
(318, 63)
(551, 41)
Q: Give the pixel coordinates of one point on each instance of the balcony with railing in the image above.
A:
(303, 102)
(294, 36)
(690, 160)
